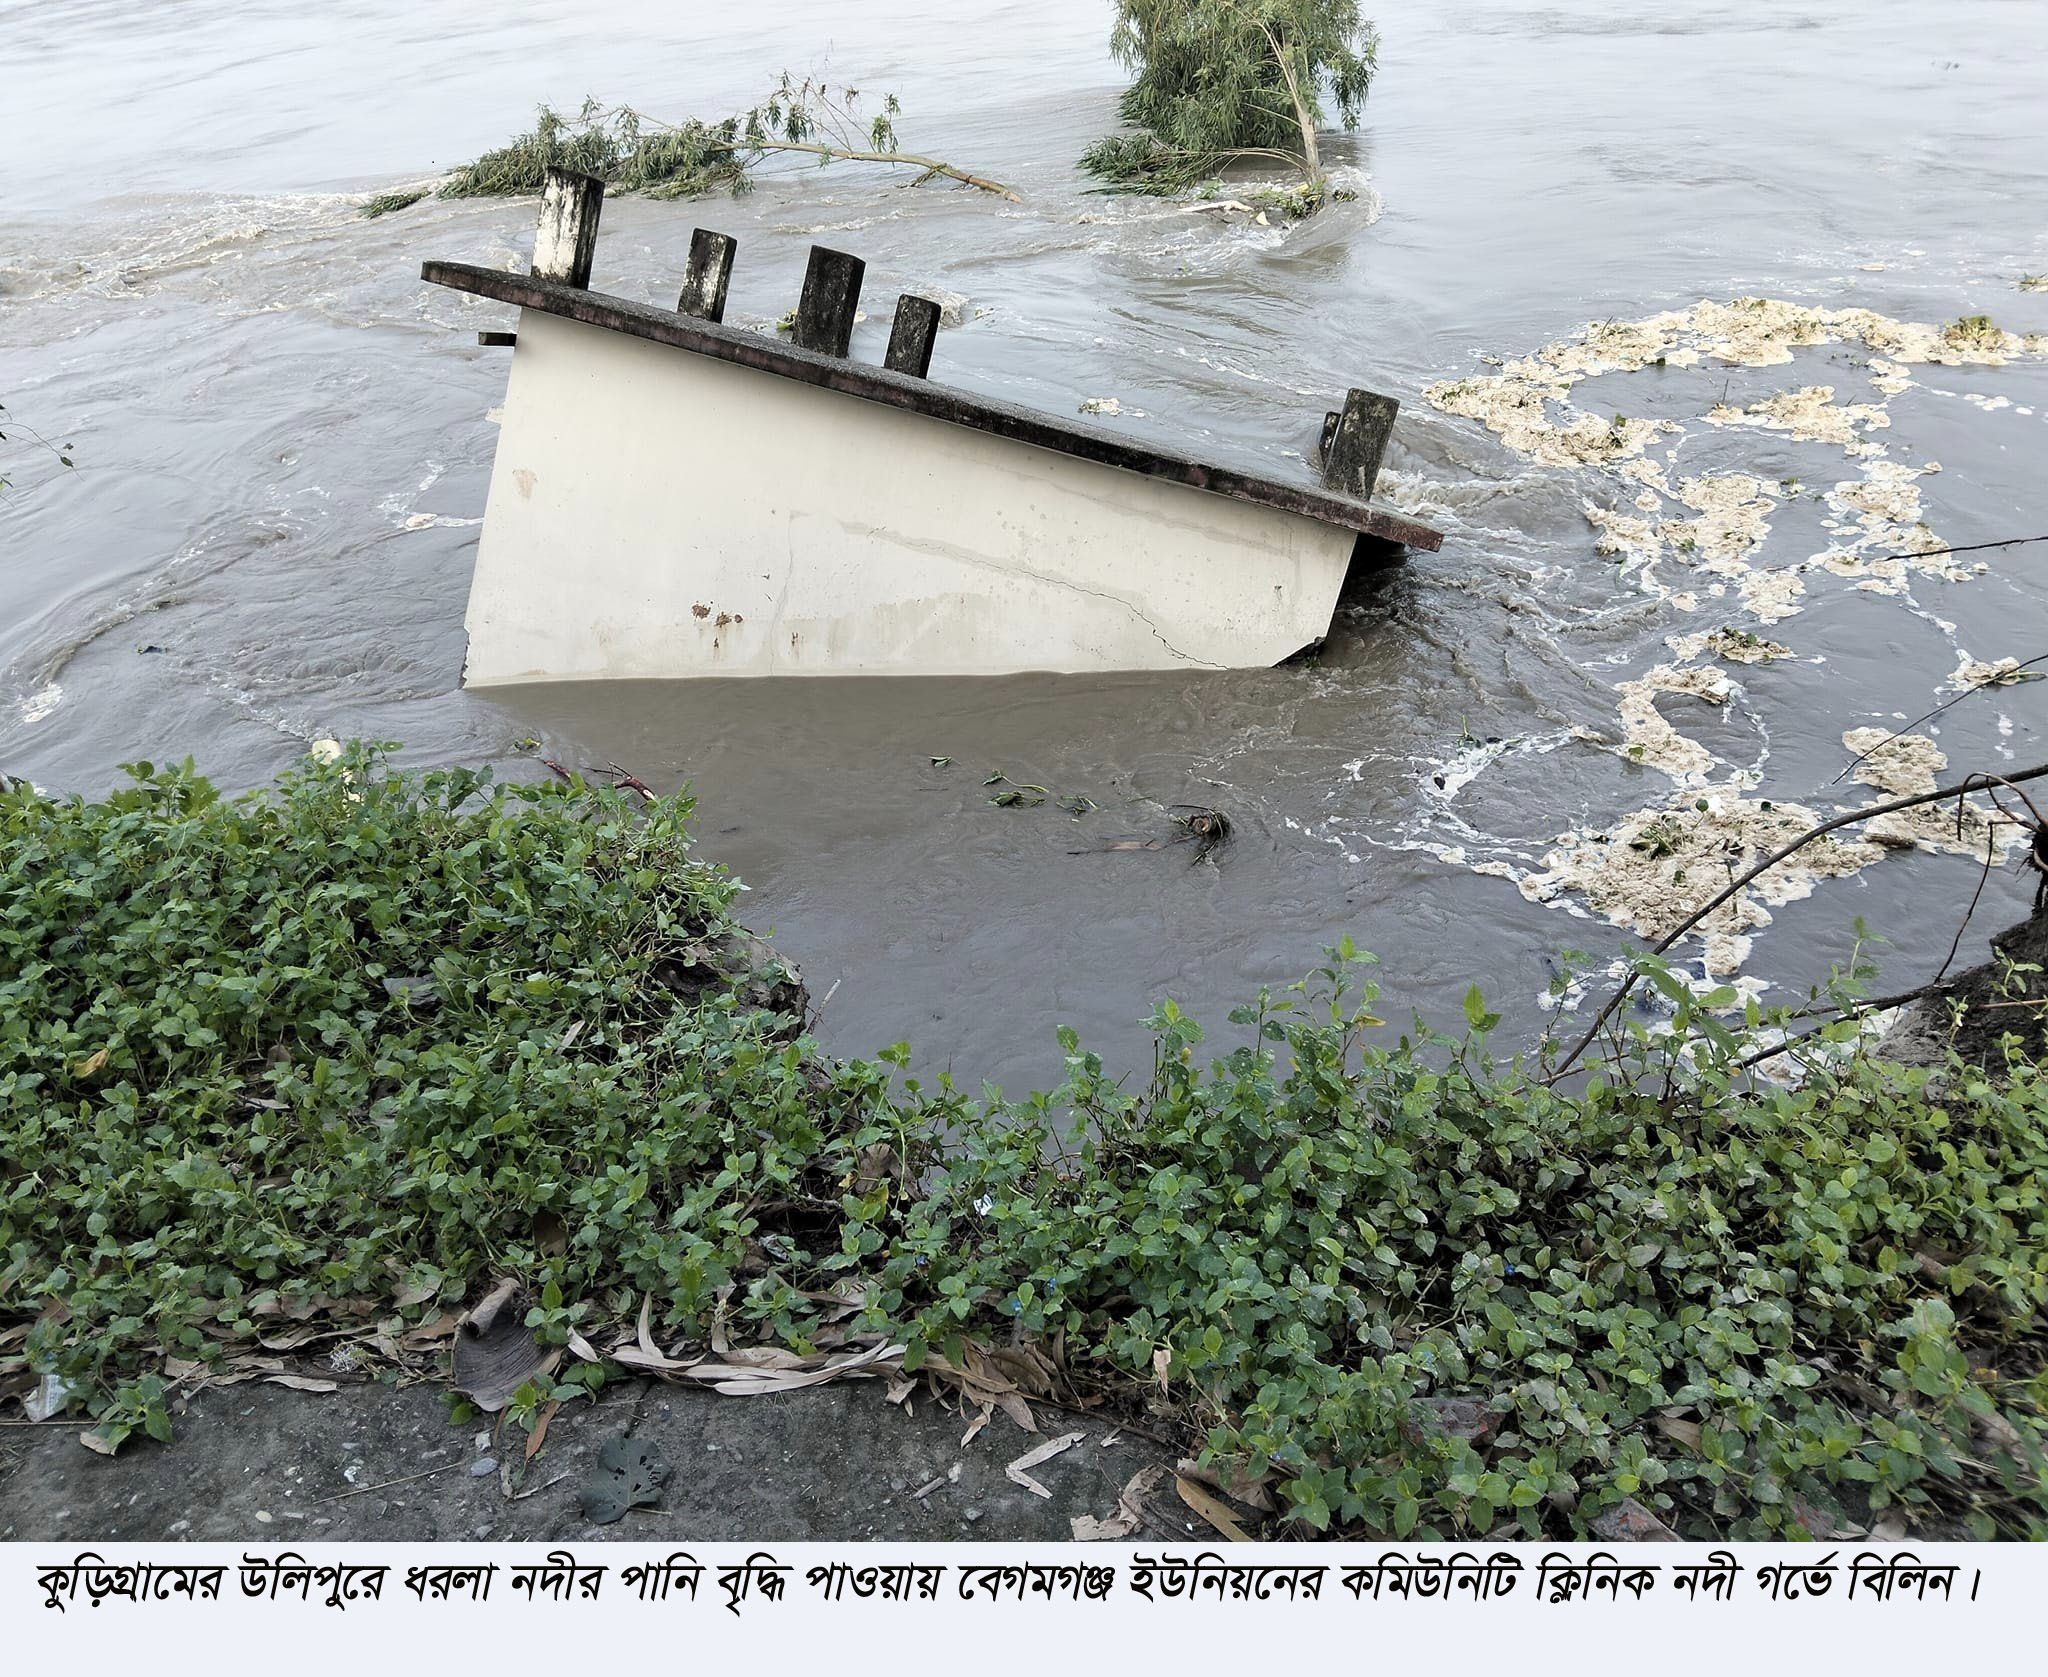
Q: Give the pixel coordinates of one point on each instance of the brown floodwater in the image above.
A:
(283, 440)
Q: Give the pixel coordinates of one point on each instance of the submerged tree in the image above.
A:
(636, 153)
(1223, 80)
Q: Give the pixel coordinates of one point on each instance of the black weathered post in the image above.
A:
(1329, 435)
(824, 314)
(566, 239)
(911, 337)
(708, 275)
(1351, 460)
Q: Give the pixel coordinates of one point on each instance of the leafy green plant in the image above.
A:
(1974, 331)
(1662, 837)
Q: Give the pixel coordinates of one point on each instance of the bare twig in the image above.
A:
(1990, 860)
(409, 1479)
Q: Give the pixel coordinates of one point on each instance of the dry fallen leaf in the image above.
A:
(1680, 1432)
(292, 1338)
(1253, 1490)
(303, 1383)
(98, 1442)
(763, 1369)
(988, 1411)
(1628, 1521)
(1031, 1458)
(1129, 1514)
(538, 1437)
(1210, 1509)
(1161, 1360)
(430, 1334)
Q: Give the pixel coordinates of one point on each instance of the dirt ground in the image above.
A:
(2008, 993)
(258, 1463)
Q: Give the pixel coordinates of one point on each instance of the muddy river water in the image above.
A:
(1668, 590)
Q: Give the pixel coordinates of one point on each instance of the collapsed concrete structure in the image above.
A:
(673, 496)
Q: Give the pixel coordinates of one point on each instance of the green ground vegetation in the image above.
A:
(335, 1055)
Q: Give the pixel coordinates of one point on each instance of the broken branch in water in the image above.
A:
(635, 153)
(1969, 783)
(1206, 829)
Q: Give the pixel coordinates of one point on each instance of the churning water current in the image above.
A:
(282, 440)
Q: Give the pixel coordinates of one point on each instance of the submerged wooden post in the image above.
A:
(911, 337)
(566, 239)
(1329, 435)
(1358, 443)
(824, 314)
(708, 275)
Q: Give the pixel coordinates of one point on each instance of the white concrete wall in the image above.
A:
(654, 512)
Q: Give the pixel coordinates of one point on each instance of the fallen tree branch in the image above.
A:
(1969, 783)
(632, 152)
(910, 159)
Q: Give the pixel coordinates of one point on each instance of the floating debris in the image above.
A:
(1208, 830)
(1731, 646)
(1810, 414)
(1713, 525)
(1660, 865)
(1907, 765)
(1651, 740)
(1972, 673)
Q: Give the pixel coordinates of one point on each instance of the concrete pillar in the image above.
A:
(708, 275)
(824, 314)
(566, 239)
(1358, 443)
(912, 336)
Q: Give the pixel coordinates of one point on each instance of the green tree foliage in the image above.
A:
(1219, 80)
